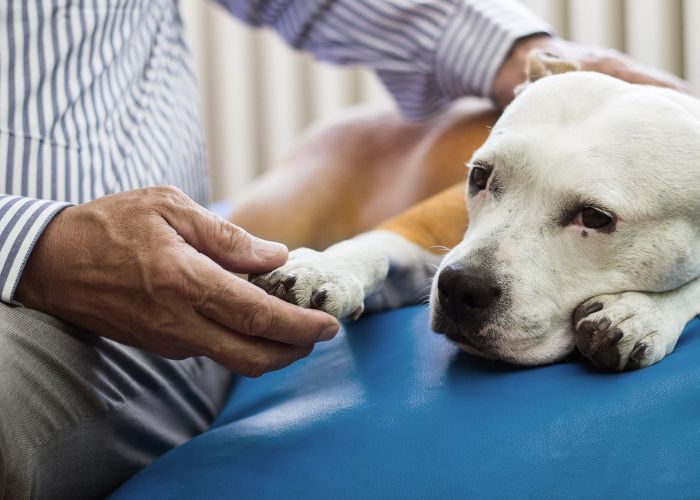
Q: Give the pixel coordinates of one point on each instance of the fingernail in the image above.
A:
(330, 332)
(268, 250)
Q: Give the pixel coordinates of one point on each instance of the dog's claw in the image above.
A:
(289, 281)
(595, 307)
(603, 325)
(635, 360)
(582, 312)
(615, 336)
(318, 298)
(274, 279)
(606, 357)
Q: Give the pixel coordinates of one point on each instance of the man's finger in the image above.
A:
(242, 354)
(225, 243)
(628, 70)
(244, 307)
(657, 78)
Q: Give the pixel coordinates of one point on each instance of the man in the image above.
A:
(132, 317)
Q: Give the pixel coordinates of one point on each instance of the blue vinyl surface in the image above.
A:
(389, 409)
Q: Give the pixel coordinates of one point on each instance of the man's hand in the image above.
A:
(151, 269)
(590, 58)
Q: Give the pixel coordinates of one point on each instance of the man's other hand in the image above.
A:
(589, 57)
(152, 269)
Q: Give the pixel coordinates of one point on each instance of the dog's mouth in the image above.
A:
(499, 342)
(472, 342)
(469, 346)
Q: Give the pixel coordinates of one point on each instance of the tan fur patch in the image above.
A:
(440, 221)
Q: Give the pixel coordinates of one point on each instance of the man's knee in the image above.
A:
(83, 412)
(44, 389)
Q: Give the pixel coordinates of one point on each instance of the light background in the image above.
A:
(258, 95)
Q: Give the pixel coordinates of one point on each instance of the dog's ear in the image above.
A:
(541, 63)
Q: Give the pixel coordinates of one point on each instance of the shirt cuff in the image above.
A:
(476, 42)
(22, 220)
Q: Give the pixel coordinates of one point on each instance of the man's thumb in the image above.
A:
(225, 243)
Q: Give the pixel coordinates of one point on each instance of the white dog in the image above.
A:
(585, 230)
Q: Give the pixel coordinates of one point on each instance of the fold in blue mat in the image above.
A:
(389, 409)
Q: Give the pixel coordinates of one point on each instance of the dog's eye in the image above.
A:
(593, 218)
(479, 177)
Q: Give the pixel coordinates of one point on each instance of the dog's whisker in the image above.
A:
(422, 296)
(441, 248)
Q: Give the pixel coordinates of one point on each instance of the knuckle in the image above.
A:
(202, 295)
(613, 63)
(261, 318)
(165, 333)
(217, 349)
(167, 276)
(256, 366)
(166, 280)
(165, 195)
(234, 238)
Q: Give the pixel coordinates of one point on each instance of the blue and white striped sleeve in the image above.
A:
(22, 220)
(426, 53)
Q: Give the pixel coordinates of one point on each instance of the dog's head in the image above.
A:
(586, 185)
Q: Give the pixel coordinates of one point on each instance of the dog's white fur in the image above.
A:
(568, 140)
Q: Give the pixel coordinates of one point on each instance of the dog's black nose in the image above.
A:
(466, 291)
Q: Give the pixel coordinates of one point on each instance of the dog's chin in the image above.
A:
(461, 335)
(504, 345)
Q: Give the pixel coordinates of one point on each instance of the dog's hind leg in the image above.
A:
(346, 177)
(630, 330)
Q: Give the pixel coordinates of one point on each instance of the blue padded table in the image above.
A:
(389, 409)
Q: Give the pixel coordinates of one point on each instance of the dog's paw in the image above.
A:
(625, 331)
(315, 280)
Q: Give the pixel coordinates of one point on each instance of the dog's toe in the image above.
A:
(586, 309)
(590, 331)
(318, 298)
(607, 353)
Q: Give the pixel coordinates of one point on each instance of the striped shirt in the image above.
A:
(98, 96)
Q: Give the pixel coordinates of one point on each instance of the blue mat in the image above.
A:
(389, 409)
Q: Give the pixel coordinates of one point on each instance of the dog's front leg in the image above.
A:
(630, 330)
(380, 269)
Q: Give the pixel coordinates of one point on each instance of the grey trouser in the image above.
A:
(80, 414)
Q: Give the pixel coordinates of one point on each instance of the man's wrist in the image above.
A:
(37, 276)
(512, 71)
